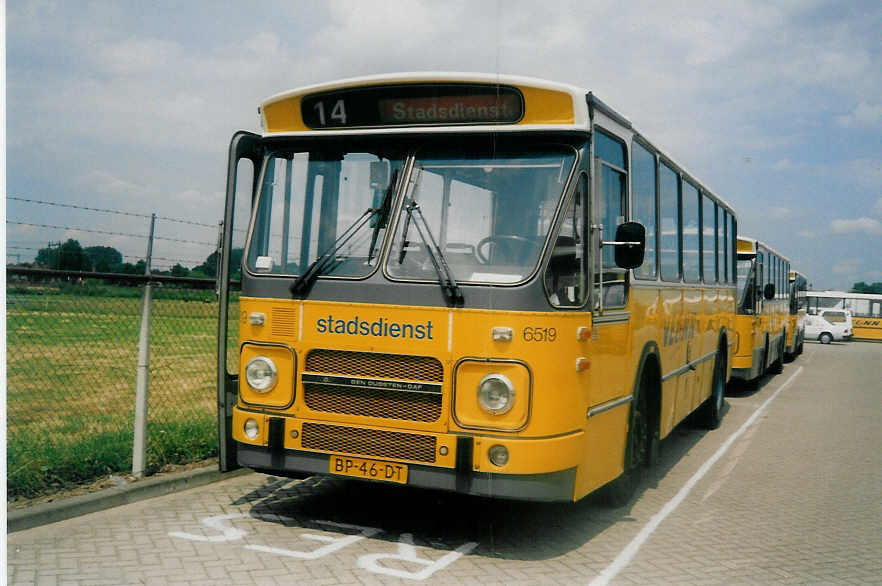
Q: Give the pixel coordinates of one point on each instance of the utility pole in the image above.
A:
(139, 447)
(57, 259)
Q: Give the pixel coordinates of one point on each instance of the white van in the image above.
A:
(828, 325)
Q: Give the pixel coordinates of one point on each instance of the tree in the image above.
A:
(132, 269)
(209, 267)
(70, 256)
(104, 259)
(862, 287)
(179, 271)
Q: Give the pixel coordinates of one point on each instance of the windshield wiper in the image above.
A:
(448, 283)
(382, 214)
(318, 265)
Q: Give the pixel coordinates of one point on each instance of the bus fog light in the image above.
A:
(496, 394)
(251, 428)
(498, 455)
(261, 374)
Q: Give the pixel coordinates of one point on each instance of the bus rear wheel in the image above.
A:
(777, 367)
(711, 412)
(637, 453)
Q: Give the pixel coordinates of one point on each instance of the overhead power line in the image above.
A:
(106, 233)
(107, 211)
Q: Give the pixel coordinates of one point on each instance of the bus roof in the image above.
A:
(747, 245)
(547, 105)
(844, 295)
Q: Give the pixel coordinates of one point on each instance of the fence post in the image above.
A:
(139, 448)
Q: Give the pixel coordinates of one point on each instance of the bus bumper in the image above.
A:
(550, 486)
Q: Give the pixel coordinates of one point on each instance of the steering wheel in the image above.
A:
(508, 248)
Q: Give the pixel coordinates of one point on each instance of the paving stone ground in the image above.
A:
(794, 500)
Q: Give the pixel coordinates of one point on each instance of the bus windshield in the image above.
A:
(745, 276)
(489, 213)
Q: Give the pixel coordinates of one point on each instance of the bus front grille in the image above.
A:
(384, 403)
(375, 364)
(372, 443)
(387, 403)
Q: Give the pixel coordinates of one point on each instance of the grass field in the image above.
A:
(71, 370)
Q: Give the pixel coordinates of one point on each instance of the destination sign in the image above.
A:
(409, 105)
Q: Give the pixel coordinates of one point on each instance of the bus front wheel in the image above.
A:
(637, 453)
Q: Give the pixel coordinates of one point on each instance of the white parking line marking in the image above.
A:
(334, 543)
(627, 554)
(216, 522)
(739, 451)
(407, 553)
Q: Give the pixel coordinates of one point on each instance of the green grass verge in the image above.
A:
(71, 371)
(37, 463)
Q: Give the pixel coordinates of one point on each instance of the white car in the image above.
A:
(820, 328)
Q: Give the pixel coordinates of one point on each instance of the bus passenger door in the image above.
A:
(245, 155)
(611, 321)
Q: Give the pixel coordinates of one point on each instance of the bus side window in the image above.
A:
(669, 242)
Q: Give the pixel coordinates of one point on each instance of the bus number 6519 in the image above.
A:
(540, 334)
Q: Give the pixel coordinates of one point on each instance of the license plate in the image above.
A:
(370, 469)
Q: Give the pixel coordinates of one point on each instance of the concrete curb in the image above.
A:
(21, 519)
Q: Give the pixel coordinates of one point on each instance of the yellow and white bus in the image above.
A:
(796, 323)
(865, 310)
(763, 310)
(480, 283)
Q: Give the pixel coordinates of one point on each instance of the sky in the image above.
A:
(129, 106)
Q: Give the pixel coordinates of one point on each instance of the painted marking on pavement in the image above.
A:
(627, 554)
(371, 562)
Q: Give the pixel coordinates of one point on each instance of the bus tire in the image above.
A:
(777, 367)
(764, 364)
(799, 346)
(619, 492)
(710, 414)
(791, 356)
(825, 338)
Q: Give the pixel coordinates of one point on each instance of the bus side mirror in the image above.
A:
(630, 245)
(769, 291)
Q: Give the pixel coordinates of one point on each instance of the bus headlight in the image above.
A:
(261, 374)
(496, 394)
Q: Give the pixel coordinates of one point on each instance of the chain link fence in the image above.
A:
(72, 359)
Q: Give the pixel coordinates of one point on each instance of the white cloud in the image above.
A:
(864, 115)
(136, 56)
(788, 164)
(867, 173)
(864, 225)
(107, 183)
(846, 267)
(778, 213)
(133, 90)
